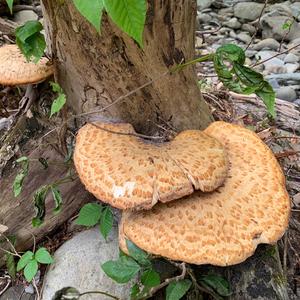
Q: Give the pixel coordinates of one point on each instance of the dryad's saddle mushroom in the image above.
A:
(15, 70)
(127, 172)
(223, 227)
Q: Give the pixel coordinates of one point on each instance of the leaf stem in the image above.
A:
(208, 57)
(101, 293)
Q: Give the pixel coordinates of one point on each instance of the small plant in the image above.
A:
(92, 214)
(60, 101)
(29, 262)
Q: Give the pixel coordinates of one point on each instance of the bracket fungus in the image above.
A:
(15, 70)
(130, 173)
(222, 227)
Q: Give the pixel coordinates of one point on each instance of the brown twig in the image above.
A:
(257, 25)
(286, 154)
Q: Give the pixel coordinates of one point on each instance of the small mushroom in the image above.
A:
(223, 227)
(130, 173)
(15, 70)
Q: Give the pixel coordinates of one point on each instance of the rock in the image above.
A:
(249, 28)
(202, 4)
(16, 292)
(248, 10)
(274, 65)
(244, 37)
(274, 83)
(291, 58)
(203, 18)
(267, 44)
(295, 8)
(233, 23)
(272, 26)
(291, 68)
(198, 42)
(78, 264)
(297, 102)
(286, 93)
(250, 53)
(23, 16)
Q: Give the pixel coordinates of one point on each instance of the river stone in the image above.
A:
(23, 16)
(233, 23)
(249, 28)
(286, 93)
(291, 58)
(244, 37)
(248, 10)
(78, 264)
(291, 68)
(267, 44)
(202, 4)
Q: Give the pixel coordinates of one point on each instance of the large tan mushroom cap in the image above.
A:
(15, 70)
(127, 172)
(223, 227)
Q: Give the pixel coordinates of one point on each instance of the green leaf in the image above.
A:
(122, 270)
(10, 4)
(24, 260)
(31, 270)
(138, 254)
(18, 182)
(91, 10)
(218, 283)
(43, 256)
(134, 291)
(57, 198)
(89, 214)
(150, 278)
(39, 198)
(56, 88)
(30, 41)
(242, 79)
(106, 222)
(58, 104)
(129, 15)
(176, 290)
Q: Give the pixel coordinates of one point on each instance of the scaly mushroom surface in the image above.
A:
(130, 173)
(223, 227)
(15, 70)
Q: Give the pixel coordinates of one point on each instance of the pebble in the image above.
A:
(286, 93)
(291, 58)
(23, 16)
(244, 37)
(267, 44)
(233, 23)
(248, 10)
(291, 68)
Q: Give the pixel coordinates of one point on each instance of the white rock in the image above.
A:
(291, 58)
(286, 93)
(78, 264)
(23, 16)
(244, 37)
(202, 4)
(267, 44)
(233, 23)
(291, 68)
(248, 10)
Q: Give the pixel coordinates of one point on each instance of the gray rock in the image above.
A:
(23, 16)
(202, 4)
(291, 67)
(286, 93)
(233, 23)
(267, 44)
(203, 18)
(295, 8)
(297, 102)
(249, 28)
(250, 53)
(16, 292)
(248, 10)
(274, 83)
(291, 58)
(244, 37)
(274, 65)
(78, 264)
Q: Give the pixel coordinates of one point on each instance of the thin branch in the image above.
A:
(11, 245)
(38, 297)
(101, 293)
(257, 25)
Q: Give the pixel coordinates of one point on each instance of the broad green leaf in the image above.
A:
(43, 256)
(218, 283)
(176, 290)
(30, 41)
(138, 254)
(57, 198)
(18, 182)
(121, 270)
(91, 10)
(56, 88)
(134, 291)
(150, 278)
(58, 104)
(106, 222)
(39, 198)
(24, 260)
(10, 4)
(129, 15)
(31, 270)
(89, 214)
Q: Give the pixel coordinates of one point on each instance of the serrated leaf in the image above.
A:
(58, 104)
(43, 256)
(91, 10)
(218, 283)
(10, 4)
(106, 222)
(24, 260)
(89, 214)
(129, 15)
(30, 270)
(121, 270)
(138, 254)
(57, 198)
(176, 290)
(39, 198)
(150, 278)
